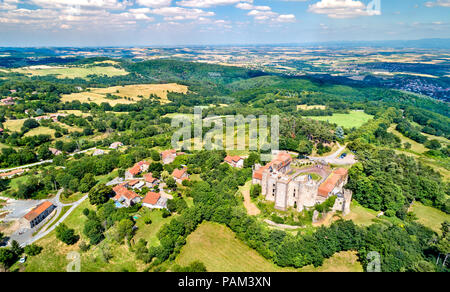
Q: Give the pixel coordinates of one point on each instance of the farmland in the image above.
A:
(70, 72)
(126, 94)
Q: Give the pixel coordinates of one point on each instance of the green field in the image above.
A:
(217, 247)
(429, 216)
(71, 72)
(353, 119)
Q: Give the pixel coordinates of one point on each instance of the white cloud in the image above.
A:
(154, 3)
(106, 4)
(286, 18)
(180, 13)
(341, 8)
(247, 6)
(442, 3)
(209, 3)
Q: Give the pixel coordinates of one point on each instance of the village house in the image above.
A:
(116, 145)
(154, 201)
(150, 181)
(98, 152)
(55, 151)
(180, 175)
(1, 131)
(168, 156)
(11, 173)
(235, 161)
(288, 187)
(8, 101)
(136, 184)
(138, 168)
(125, 197)
(39, 213)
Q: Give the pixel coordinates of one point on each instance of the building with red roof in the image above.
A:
(150, 181)
(235, 161)
(39, 213)
(125, 196)
(168, 156)
(180, 174)
(154, 201)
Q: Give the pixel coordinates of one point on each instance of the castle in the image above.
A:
(289, 187)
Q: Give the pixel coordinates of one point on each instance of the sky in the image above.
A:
(217, 22)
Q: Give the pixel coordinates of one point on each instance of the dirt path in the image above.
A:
(252, 210)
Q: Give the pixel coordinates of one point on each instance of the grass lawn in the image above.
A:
(353, 119)
(429, 216)
(361, 215)
(63, 211)
(217, 247)
(149, 232)
(72, 198)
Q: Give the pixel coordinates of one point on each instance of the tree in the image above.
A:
(16, 249)
(433, 144)
(255, 191)
(66, 234)
(30, 124)
(94, 231)
(2, 237)
(407, 145)
(100, 194)
(171, 183)
(87, 182)
(155, 156)
(33, 249)
(7, 257)
(340, 133)
(124, 230)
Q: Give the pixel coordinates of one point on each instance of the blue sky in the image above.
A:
(191, 22)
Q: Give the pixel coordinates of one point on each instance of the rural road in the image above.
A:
(43, 162)
(334, 158)
(43, 233)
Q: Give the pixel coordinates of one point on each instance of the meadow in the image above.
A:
(217, 247)
(429, 216)
(354, 119)
(127, 94)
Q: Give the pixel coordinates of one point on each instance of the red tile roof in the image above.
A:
(133, 182)
(135, 170)
(332, 181)
(166, 153)
(279, 162)
(341, 171)
(231, 159)
(121, 191)
(178, 173)
(149, 178)
(151, 198)
(38, 210)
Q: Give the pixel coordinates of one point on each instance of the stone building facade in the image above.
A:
(287, 187)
